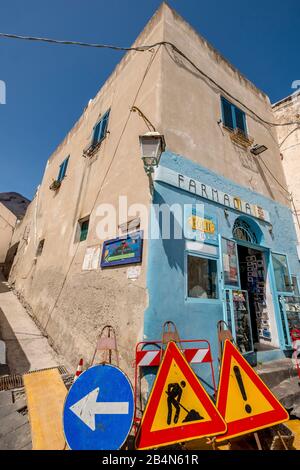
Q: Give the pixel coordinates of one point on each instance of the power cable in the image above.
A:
(274, 177)
(144, 48)
(289, 134)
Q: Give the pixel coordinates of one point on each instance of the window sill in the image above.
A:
(55, 185)
(91, 150)
(239, 137)
(195, 300)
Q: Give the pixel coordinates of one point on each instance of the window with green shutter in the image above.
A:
(63, 169)
(100, 129)
(233, 117)
(84, 228)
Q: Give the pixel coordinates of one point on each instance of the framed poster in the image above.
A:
(230, 263)
(123, 250)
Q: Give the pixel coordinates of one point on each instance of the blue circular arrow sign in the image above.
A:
(98, 410)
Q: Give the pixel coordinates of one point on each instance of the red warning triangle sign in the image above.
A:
(244, 401)
(178, 409)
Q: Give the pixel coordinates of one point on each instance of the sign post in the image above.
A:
(98, 411)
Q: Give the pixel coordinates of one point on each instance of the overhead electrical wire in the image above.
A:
(144, 48)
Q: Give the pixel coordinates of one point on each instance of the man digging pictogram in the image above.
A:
(174, 393)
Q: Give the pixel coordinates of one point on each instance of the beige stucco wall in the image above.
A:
(288, 110)
(73, 305)
(192, 108)
(7, 225)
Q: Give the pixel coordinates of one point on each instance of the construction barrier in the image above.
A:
(150, 354)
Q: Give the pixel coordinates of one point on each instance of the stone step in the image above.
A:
(274, 372)
(288, 393)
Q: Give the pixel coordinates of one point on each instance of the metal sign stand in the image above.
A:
(223, 334)
(169, 333)
(108, 344)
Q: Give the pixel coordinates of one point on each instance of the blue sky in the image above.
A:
(48, 86)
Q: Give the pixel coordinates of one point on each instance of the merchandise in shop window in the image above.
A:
(291, 305)
(257, 285)
(242, 322)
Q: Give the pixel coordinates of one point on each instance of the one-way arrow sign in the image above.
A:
(98, 411)
(87, 408)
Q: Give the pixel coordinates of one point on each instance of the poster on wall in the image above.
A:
(124, 250)
(199, 226)
(230, 263)
(91, 258)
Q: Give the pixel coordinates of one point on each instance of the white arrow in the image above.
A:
(87, 408)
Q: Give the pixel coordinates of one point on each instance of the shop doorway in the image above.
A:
(253, 278)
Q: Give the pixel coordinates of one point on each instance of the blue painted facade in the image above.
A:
(166, 278)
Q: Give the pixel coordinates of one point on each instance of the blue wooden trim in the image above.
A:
(63, 169)
(100, 128)
(287, 293)
(245, 123)
(222, 109)
(275, 297)
(233, 114)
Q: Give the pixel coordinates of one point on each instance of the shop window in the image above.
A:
(242, 231)
(282, 274)
(40, 247)
(202, 277)
(100, 129)
(84, 228)
(63, 169)
(295, 285)
(233, 117)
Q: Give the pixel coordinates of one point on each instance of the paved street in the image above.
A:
(23, 349)
(26, 348)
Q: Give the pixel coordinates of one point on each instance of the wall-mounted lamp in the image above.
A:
(152, 146)
(258, 149)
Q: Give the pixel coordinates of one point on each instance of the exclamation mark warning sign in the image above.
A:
(240, 382)
(244, 401)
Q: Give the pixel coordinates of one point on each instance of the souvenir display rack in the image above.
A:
(290, 315)
(238, 319)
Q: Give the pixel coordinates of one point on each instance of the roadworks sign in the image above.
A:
(178, 409)
(243, 400)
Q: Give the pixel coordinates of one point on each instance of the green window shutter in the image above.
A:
(227, 116)
(62, 169)
(84, 228)
(100, 129)
(240, 120)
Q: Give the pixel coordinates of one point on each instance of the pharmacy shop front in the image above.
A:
(236, 261)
